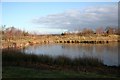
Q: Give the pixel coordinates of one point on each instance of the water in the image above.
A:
(108, 53)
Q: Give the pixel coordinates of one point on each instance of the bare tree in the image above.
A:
(87, 31)
(99, 30)
(110, 30)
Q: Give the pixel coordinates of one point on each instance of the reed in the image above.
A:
(16, 57)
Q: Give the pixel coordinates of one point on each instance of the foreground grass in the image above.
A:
(20, 72)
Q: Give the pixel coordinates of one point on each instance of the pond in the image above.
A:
(107, 53)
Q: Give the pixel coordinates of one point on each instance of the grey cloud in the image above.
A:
(76, 18)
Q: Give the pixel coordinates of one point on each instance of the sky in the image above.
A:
(58, 17)
(60, 0)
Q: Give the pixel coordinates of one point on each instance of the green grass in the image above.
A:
(20, 72)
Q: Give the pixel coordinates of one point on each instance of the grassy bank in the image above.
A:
(21, 61)
(31, 40)
(21, 72)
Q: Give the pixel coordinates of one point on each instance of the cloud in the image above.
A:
(91, 17)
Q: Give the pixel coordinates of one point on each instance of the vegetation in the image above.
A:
(16, 38)
(99, 30)
(22, 72)
(12, 33)
(15, 58)
(15, 61)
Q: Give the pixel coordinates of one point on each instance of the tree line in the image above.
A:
(12, 33)
(99, 30)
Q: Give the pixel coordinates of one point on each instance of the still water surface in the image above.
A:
(108, 53)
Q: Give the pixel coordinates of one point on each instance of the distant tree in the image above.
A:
(62, 34)
(99, 30)
(25, 33)
(117, 31)
(2, 29)
(9, 32)
(87, 31)
(110, 30)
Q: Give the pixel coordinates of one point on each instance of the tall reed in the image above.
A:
(16, 57)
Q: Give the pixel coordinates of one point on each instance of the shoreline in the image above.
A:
(18, 59)
(26, 41)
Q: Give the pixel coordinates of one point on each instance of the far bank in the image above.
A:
(25, 41)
